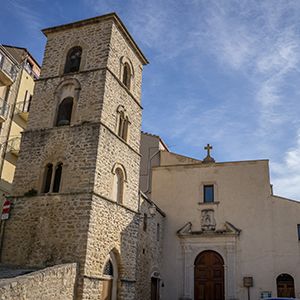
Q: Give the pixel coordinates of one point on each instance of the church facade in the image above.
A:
(226, 235)
(139, 221)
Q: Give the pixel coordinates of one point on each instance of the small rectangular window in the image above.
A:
(298, 226)
(145, 222)
(208, 193)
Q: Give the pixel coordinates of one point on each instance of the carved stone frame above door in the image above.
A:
(193, 243)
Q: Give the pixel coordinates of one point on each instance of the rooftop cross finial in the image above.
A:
(208, 158)
(208, 147)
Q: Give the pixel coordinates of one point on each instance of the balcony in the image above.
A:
(13, 146)
(22, 109)
(8, 70)
(4, 110)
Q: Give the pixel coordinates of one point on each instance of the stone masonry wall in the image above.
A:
(149, 249)
(70, 226)
(121, 48)
(47, 230)
(116, 95)
(112, 228)
(54, 283)
(46, 99)
(74, 146)
(93, 38)
(112, 150)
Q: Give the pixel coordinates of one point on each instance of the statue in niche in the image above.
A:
(208, 222)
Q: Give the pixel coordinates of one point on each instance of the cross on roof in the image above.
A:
(208, 158)
(208, 147)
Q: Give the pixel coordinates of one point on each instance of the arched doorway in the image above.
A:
(110, 279)
(155, 286)
(285, 286)
(209, 276)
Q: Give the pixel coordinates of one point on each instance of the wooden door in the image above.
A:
(107, 290)
(209, 276)
(285, 286)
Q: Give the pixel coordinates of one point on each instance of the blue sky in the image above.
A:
(221, 72)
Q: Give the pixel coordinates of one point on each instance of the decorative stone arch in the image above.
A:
(68, 88)
(68, 47)
(118, 183)
(111, 275)
(125, 61)
(120, 166)
(192, 245)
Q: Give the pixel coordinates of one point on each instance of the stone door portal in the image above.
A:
(209, 276)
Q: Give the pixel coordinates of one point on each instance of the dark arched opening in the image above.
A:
(73, 60)
(126, 75)
(57, 178)
(47, 178)
(285, 286)
(64, 113)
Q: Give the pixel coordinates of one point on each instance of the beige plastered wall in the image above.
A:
(267, 245)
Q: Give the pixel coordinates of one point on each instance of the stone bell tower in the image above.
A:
(77, 178)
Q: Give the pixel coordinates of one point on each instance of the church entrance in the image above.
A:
(209, 276)
(285, 286)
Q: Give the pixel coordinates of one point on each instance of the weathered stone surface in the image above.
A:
(82, 223)
(54, 283)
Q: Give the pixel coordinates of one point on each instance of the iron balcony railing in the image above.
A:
(4, 109)
(7, 66)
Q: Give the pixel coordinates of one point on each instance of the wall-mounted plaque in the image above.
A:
(248, 281)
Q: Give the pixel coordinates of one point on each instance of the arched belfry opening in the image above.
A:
(209, 276)
(73, 60)
(64, 113)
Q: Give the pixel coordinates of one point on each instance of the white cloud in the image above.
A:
(286, 175)
(256, 41)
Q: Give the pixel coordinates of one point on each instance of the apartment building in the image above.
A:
(18, 72)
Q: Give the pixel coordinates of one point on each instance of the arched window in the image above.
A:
(47, 178)
(52, 181)
(73, 60)
(118, 186)
(57, 178)
(123, 123)
(126, 75)
(285, 286)
(64, 113)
